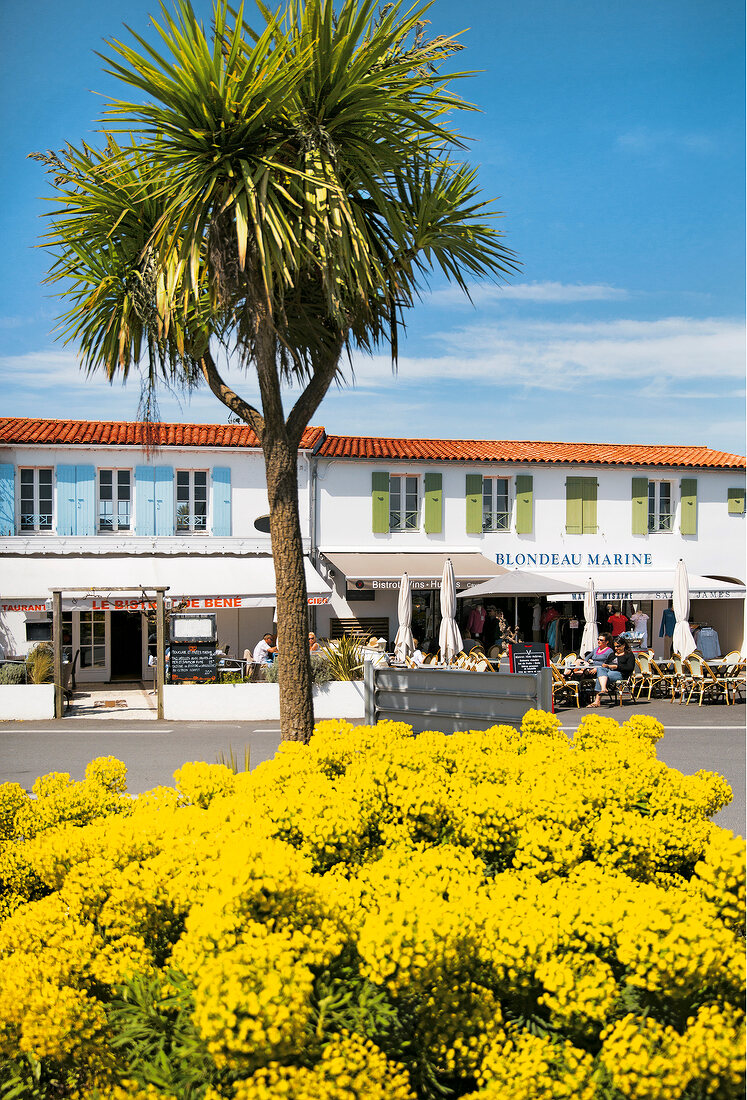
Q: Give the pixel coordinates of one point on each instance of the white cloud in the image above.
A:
(644, 140)
(483, 294)
(662, 354)
(672, 379)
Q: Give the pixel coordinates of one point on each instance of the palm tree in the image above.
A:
(285, 192)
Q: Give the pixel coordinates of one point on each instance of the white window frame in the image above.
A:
(36, 527)
(192, 528)
(495, 526)
(115, 528)
(405, 514)
(659, 522)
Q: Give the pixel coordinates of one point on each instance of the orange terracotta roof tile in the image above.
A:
(524, 451)
(18, 429)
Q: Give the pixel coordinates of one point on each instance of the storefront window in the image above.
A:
(495, 511)
(191, 501)
(115, 498)
(36, 499)
(660, 516)
(92, 639)
(403, 503)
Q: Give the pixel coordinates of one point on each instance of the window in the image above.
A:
(36, 500)
(191, 502)
(581, 505)
(660, 515)
(496, 514)
(115, 500)
(92, 639)
(403, 503)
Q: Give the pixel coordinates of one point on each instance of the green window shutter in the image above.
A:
(689, 506)
(640, 505)
(524, 503)
(433, 499)
(735, 498)
(589, 505)
(574, 508)
(380, 503)
(473, 492)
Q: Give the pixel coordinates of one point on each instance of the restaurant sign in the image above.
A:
(138, 603)
(573, 561)
(368, 584)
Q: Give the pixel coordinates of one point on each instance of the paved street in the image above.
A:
(711, 737)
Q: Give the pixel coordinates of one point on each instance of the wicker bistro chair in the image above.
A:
(734, 678)
(564, 688)
(702, 679)
(668, 681)
(645, 676)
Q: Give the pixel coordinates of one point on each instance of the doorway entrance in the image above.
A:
(126, 645)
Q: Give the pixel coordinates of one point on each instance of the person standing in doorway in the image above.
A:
(537, 620)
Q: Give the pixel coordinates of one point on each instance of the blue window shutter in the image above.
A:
(222, 501)
(67, 522)
(85, 488)
(165, 515)
(7, 499)
(145, 501)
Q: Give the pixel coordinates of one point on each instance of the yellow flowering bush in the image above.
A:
(504, 915)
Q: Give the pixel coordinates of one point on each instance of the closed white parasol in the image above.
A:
(449, 637)
(590, 634)
(682, 640)
(403, 646)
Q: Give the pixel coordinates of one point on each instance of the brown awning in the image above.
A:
(384, 571)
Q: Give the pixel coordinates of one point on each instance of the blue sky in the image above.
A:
(611, 136)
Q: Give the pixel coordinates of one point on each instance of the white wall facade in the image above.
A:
(239, 628)
(335, 497)
(344, 512)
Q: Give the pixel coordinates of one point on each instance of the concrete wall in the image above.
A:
(24, 702)
(255, 702)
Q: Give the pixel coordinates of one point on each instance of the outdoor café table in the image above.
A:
(586, 676)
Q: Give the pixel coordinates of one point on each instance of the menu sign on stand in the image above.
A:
(530, 657)
(193, 641)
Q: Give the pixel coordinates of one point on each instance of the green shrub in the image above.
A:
(40, 664)
(13, 674)
(322, 671)
(345, 658)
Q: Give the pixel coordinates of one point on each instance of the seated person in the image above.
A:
(265, 650)
(417, 656)
(618, 667)
(314, 646)
(468, 642)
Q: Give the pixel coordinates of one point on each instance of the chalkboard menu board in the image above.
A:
(528, 658)
(193, 663)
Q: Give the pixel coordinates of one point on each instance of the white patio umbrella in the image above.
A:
(403, 645)
(682, 639)
(449, 638)
(590, 634)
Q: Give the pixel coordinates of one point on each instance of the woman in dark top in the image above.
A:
(617, 667)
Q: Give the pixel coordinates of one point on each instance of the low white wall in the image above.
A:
(254, 702)
(26, 701)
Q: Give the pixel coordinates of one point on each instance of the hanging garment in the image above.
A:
(666, 630)
(476, 620)
(617, 623)
(708, 643)
(552, 634)
(640, 622)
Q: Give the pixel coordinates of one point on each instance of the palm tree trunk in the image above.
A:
(296, 702)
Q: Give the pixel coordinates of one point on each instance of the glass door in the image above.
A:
(149, 646)
(93, 633)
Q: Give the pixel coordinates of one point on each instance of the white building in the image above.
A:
(88, 505)
(94, 506)
(622, 514)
